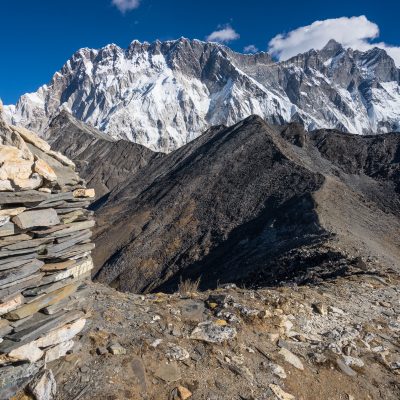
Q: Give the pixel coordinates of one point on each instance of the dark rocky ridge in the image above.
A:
(102, 161)
(253, 204)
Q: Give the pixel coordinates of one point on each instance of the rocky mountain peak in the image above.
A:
(331, 49)
(163, 94)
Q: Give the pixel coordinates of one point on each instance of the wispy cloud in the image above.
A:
(223, 35)
(250, 49)
(126, 5)
(354, 32)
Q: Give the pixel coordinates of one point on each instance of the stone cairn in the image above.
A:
(45, 261)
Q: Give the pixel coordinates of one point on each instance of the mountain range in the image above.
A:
(164, 94)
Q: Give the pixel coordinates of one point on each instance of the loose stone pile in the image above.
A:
(45, 257)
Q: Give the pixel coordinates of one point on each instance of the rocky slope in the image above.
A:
(103, 162)
(253, 204)
(163, 95)
(338, 340)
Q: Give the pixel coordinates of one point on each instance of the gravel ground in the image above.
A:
(338, 340)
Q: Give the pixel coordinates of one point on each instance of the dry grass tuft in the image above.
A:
(188, 286)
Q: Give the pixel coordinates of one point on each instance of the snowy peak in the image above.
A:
(331, 49)
(164, 94)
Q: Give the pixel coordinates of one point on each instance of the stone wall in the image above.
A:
(45, 261)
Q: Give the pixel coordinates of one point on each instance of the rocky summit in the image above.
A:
(164, 94)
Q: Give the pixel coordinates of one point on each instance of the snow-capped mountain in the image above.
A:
(164, 94)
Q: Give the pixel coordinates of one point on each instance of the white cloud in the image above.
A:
(250, 49)
(354, 32)
(126, 5)
(224, 35)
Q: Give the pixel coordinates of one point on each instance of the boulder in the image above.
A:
(13, 165)
(33, 182)
(5, 185)
(44, 169)
(31, 137)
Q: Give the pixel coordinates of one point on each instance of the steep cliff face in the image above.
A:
(163, 95)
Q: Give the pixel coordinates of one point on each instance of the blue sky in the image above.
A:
(38, 36)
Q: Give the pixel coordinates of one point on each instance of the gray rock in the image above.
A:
(13, 378)
(193, 311)
(176, 352)
(139, 372)
(14, 262)
(43, 386)
(210, 332)
(168, 372)
(25, 197)
(26, 244)
(290, 358)
(8, 229)
(16, 274)
(4, 219)
(34, 329)
(35, 218)
(116, 349)
(7, 240)
(345, 368)
(18, 286)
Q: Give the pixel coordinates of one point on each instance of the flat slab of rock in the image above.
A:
(44, 301)
(18, 286)
(84, 193)
(4, 241)
(54, 249)
(193, 311)
(52, 267)
(5, 328)
(11, 212)
(60, 350)
(44, 289)
(35, 218)
(168, 372)
(12, 378)
(11, 304)
(292, 359)
(10, 260)
(13, 263)
(63, 334)
(34, 329)
(15, 274)
(31, 351)
(44, 169)
(9, 229)
(65, 230)
(26, 244)
(24, 197)
(347, 370)
(31, 137)
(70, 252)
(43, 386)
(279, 393)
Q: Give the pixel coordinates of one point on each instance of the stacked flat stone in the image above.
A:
(45, 261)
